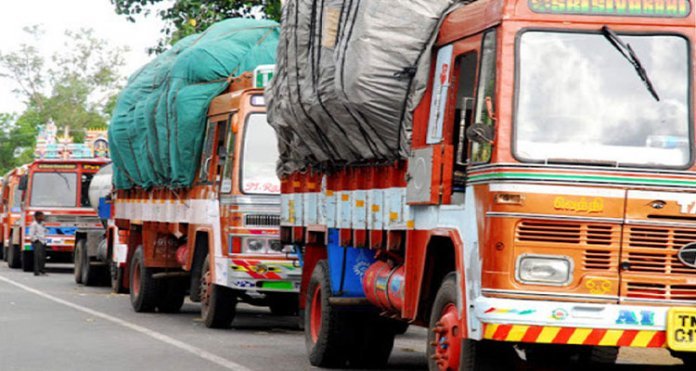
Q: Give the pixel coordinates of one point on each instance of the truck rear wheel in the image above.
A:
(447, 347)
(14, 257)
(218, 303)
(325, 326)
(77, 261)
(143, 293)
(283, 304)
(27, 260)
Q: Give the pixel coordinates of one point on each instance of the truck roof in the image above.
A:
(475, 16)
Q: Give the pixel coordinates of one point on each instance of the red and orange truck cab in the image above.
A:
(217, 240)
(58, 188)
(549, 199)
(10, 207)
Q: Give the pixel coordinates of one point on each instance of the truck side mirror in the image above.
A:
(480, 133)
(22, 186)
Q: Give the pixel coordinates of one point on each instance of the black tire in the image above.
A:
(474, 355)
(77, 261)
(91, 276)
(14, 260)
(218, 303)
(326, 339)
(283, 304)
(143, 298)
(117, 274)
(27, 261)
(171, 296)
(4, 253)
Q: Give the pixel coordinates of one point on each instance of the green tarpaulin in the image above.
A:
(157, 128)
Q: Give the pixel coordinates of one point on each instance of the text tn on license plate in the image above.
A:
(681, 329)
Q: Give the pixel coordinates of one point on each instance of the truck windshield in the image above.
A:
(259, 157)
(579, 100)
(54, 189)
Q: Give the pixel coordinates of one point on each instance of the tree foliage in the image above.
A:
(75, 87)
(186, 17)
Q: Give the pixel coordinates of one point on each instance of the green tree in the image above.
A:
(186, 17)
(76, 88)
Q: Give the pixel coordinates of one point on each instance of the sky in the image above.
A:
(55, 16)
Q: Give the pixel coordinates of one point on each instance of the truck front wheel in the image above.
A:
(27, 260)
(117, 275)
(14, 256)
(447, 347)
(218, 303)
(77, 261)
(143, 293)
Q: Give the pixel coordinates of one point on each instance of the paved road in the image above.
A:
(49, 323)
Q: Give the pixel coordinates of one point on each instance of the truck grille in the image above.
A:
(654, 291)
(596, 239)
(262, 220)
(654, 250)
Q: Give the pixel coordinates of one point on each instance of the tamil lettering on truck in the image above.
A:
(542, 197)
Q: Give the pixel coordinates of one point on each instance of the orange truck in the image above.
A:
(218, 239)
(58, 188)
(10, 207)
(548, 200)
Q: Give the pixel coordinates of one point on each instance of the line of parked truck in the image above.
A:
(537, 193)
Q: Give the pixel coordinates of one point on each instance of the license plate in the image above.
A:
(681, 329)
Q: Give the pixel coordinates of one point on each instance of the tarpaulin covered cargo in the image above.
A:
(349, 75)
(157, 128)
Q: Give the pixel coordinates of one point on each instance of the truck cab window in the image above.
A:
(466, 78)
(229, 158)
(207, 154)
(481, 152)
(85, 181)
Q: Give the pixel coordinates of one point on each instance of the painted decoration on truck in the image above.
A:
(631, 8)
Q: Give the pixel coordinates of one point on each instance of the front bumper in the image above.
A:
(530, 321)
(263, 275)
(55, 243)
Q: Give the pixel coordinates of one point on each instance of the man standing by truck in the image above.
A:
(37, 236)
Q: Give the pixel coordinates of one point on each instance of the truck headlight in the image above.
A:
(275, 246)
(552, 270)
(253, 245)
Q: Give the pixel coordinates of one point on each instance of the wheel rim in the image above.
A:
(136, 278)
(447, 344)
(206, 288)
(315, 314)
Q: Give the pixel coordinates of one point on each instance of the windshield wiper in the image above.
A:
(628, 53)
(65, 179)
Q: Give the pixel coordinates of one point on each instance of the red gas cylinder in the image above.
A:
(384, 286)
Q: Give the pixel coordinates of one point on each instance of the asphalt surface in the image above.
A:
(50, 323)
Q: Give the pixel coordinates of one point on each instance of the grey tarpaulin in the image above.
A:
(349, 75)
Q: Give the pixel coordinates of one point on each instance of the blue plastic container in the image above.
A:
(347, 266)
